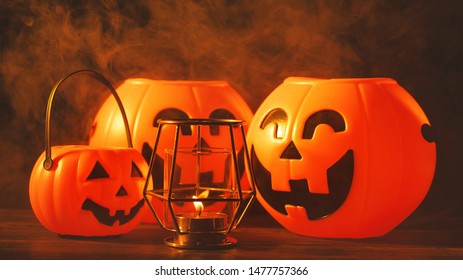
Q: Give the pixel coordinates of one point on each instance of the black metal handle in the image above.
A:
(48, 162)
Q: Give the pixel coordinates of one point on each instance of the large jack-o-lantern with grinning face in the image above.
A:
(341, 157)
(147, 101)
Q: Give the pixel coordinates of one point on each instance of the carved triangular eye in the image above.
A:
(98, 172)
(135, 171)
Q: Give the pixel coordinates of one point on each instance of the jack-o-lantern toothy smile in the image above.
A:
(102, 214)
(317, 206)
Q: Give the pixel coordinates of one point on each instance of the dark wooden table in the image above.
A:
(259, 238)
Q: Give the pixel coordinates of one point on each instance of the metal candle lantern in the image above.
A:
(202, 200)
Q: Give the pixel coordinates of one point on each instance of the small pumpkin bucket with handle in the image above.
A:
(79, 190)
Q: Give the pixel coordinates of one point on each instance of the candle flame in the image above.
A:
(198, 204)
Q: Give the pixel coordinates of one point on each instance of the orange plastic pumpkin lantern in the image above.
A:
(341, 157)
(147, 101)
(88, 191)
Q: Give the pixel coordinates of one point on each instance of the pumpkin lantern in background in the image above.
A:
(88, 191)
(147, 101)
(341, 157)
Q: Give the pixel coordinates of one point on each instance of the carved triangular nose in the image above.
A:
(121, 192)
(291, 152)
(203, 143)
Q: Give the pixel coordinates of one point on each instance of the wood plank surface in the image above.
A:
(259, 237)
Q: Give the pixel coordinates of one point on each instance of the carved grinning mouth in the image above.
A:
(157, 174)
(102, 213)
(317, 206)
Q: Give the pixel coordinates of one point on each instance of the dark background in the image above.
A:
(254, 45)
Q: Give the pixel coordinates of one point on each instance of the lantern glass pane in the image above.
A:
(201, 189)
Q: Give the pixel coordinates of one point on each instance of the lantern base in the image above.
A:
(200, 241)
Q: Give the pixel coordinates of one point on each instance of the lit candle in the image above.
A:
(201, 221)
(206, 222)
(201, 231)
